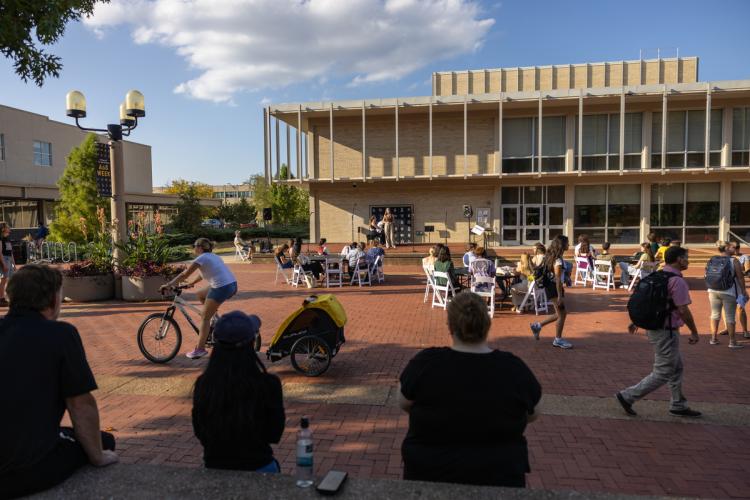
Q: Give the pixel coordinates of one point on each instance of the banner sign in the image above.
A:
(103, 171)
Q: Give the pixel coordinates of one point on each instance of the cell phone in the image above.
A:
(331, 482)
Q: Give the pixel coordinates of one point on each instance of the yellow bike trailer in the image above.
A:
(312, 335)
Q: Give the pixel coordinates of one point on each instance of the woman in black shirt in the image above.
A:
(7, 264)
(238, 409)
(468, 406)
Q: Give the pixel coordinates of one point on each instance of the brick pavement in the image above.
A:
(387, 325)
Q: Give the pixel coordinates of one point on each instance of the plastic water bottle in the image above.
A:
(304, 472)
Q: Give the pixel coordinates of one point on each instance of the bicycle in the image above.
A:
(164, 323)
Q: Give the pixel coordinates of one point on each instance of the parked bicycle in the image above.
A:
(160, 336)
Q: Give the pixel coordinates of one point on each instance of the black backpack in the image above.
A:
(720, 273)
(649, 306)
(543, 276)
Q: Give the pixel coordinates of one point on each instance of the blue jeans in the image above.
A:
(567, 269)
(272, 467)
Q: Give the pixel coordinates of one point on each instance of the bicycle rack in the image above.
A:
(57, 252)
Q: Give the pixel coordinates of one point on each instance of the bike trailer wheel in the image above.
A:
(159, 338)
(311, 356)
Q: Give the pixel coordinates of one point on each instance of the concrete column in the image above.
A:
(707, 142)
(645, 210)
(570, 139)
(570, 192)
(647, 123)
(330, 120)
(622, 131)
(299, 143)
(364, 144)
(288, 152)
(430, 135)
(314, 216)
(278, 151)
(725, 201)
(398, 166)
(466, 139)
(580, 132)
(664, 132)
(539, 135)
(265, 147)
(726, 137)
(499, 156)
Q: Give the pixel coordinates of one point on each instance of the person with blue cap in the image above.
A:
(238, 407)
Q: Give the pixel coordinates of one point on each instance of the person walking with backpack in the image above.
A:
(726, 288)
(550, 276)
(660, 306)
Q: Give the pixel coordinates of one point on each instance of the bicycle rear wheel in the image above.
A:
(159, 338)
(311, 356)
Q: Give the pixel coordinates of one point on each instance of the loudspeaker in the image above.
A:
(468, 212)
(267, 214)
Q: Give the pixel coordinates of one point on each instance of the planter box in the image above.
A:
(89, 288)
(140, 289)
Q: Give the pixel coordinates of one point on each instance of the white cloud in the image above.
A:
(249, 45)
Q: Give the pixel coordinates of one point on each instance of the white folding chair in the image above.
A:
(376, 270)
(583, 274)
(241, 254)
(485, 282)
(281, 271)
(442, 293)
(334, 272)
(298, 275)
(604, 275)
(645, 269)
(538, 298)
(430, 281)
(360, 275)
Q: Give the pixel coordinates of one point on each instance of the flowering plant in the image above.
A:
(146, 253)
(98, 252)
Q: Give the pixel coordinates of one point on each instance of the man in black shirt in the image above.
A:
(45, 366)
(468, 406)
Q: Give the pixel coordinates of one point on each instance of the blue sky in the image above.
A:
(205, 87)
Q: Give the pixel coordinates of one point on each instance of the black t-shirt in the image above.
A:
(245, 447)
(7, 246)
(42, 362)
(468, 417)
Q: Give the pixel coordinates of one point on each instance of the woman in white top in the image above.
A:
(727, 299)
(518, 290)
(222, 285)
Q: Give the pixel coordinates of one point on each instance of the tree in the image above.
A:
(21, 21)
(180, 186)
(290, 204)
(189, 211)
(76, 214)
(244, 212)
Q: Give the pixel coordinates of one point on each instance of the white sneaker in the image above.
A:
(562, 344)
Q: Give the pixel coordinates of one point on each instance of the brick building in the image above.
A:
(534, 151)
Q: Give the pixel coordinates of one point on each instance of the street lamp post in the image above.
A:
(132, 109)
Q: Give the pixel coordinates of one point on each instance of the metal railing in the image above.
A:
(738, 239)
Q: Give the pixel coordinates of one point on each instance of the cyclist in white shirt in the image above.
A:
(222, 285)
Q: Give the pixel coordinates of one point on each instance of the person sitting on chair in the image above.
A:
(444, 264)
(482, 266)
(469, 256)
(356, 253)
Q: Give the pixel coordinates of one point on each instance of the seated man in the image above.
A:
(356, 253)
(374, 252)
(468, 406)
(469, 256)
(45, 364)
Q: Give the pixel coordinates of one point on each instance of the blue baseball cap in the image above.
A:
(235, 327)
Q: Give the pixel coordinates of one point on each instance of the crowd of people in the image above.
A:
(238, 409)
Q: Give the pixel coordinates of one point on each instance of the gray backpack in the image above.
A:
(720, 273)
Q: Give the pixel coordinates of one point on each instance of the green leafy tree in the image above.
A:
(27, 25)
(225, 212)
(244, 212)
(79, 198)
(290, 203)
(181, 186)
(189, 210)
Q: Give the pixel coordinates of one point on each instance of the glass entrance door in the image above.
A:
(532, 224)
(555, 217)
(511, 224)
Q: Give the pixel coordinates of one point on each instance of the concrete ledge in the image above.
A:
(166, 482)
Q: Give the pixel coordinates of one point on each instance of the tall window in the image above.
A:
(741, 137)
(739, 212)
(608, 212)
(601, 141)
(687, 212)
(2, 147)
(20, 213)
(686, 134)
(520, 144)
(42, 154)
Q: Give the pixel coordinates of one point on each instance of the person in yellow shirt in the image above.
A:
(659, 255)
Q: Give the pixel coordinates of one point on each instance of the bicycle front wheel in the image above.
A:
(159, 338)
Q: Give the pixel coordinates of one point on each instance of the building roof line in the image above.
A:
(599, 63)
(654, 89)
